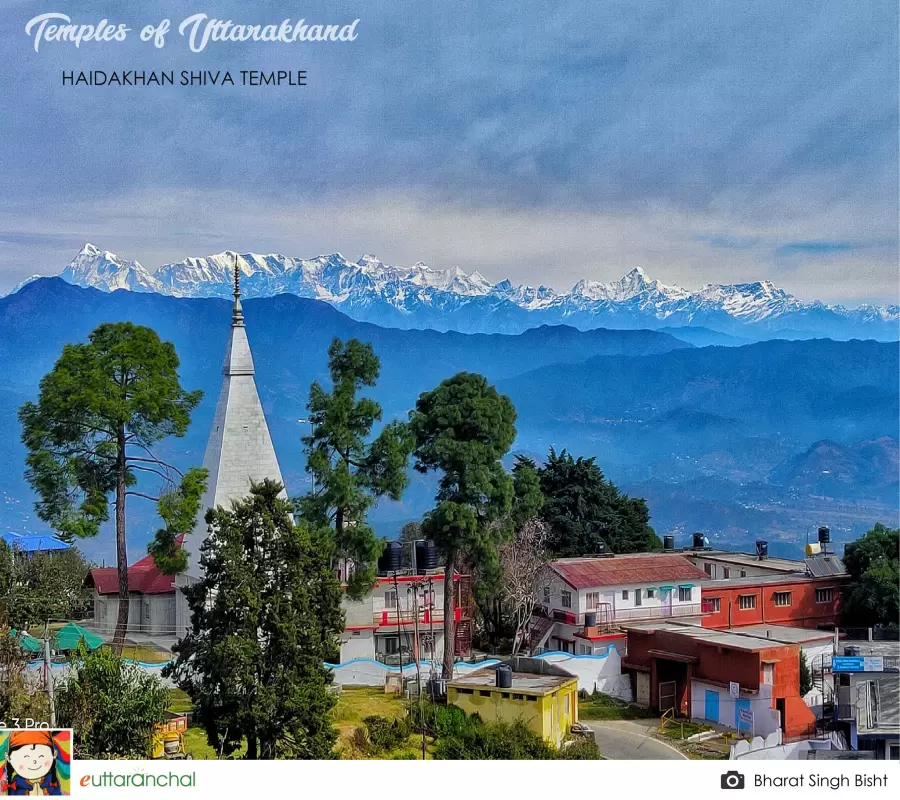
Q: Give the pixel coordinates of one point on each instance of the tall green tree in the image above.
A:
(350, 473)
(90, 436)
(265, 619)
(874, 591)
(113, 706)
(43, 586)
(587, 513)
(462, 429)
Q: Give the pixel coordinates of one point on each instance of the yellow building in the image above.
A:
(542, 695)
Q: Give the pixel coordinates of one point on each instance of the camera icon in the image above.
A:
(732, 780)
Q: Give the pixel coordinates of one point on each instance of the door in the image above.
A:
(642, 689)
(665, 602)
(712, 706)
(667, 692)
(637, 596)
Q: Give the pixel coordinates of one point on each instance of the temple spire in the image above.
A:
(237, 314)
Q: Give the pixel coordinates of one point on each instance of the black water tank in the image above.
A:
(668, 542)
(590, 619)
(762, 548)
(698, 541)
(824, 535)
(391, 558)
(504, 677)
(426, 556)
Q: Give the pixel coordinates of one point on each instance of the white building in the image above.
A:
(724, 565)
(401, 616)
(586, 600)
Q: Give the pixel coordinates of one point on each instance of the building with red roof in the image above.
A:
(151, 605)
(587, 600)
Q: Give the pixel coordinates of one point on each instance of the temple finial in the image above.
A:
(237, 316)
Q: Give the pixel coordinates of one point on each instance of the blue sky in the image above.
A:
(545, 142)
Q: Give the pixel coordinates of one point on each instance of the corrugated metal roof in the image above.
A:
(33, 542)
(825, 565)
(626, 570)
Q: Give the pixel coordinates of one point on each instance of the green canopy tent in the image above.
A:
(27, 642)
(68, 637)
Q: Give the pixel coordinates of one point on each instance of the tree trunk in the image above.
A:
(251, 747)
(449, 617)
(121, 549)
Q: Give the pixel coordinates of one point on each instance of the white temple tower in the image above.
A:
(239, 449)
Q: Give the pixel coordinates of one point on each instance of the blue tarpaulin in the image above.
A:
(33, 542)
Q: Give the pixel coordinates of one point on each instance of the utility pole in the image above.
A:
(49, 675)
(415, 590)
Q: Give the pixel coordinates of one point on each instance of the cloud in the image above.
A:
(540, 141)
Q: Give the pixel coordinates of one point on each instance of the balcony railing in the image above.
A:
(426, 617)
(606, 616)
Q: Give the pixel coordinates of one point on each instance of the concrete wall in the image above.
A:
(152, 614)
(765, 718)
(803, 611)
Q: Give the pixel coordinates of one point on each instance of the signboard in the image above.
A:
(857, 663)
(745, 715)
(734, 689)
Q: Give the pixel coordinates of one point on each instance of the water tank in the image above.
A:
(504, 676)
(426, 556)
(391, 559)
(762, 549)
(851, 650)
(590, 619)
(824, 535)
(698, 541)
(668, 542)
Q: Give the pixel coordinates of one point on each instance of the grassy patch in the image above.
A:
(353, 706)
(680, 730)
(146, 654)
(604, 707)
(179, 702)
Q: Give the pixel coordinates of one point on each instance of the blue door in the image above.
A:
(712, 706)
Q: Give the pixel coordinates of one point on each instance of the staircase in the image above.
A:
(463, 642)
(539, 632)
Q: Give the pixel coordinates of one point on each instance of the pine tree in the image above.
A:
(462, 429)
(349, 472)
(265, 618)
(90, 438)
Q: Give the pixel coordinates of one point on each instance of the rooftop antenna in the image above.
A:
(237, 314)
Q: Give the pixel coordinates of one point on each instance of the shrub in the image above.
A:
(580, 750)
(385, 734)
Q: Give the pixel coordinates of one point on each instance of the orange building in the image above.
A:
(736, 680)
(799, 601)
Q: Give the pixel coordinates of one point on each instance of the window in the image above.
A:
(504, 695)
(746, 602)
(684, 594)
(824, 595)
(624, 594)
(707, 568)
(894, 752)
(518, 697)
(782, 598)
(390, 599)
(465, 691)
(726, 573)
(769, 674)
(743, 573)
(593, 600)
(355, 633)
(711, 605)
(651, 593)
(391, 645)
(484, 693)
(566, 599)
(547, 594)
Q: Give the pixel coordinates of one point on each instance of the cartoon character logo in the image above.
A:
(35, 762)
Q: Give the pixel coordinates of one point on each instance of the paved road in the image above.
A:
(630, 740)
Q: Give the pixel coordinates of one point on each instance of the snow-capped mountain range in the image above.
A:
(450, 299)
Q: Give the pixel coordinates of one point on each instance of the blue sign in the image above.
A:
(857, 663)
